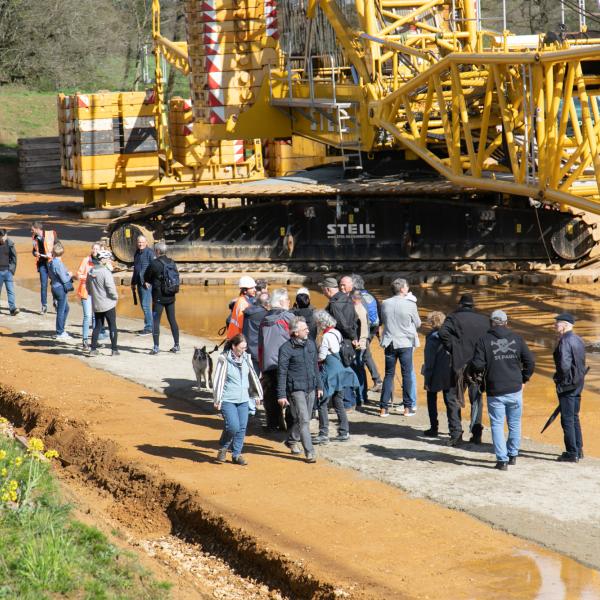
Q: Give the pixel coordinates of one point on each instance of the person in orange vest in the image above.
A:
(43, 242)
(244, 300)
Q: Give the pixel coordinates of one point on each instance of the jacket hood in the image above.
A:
(499, 332)
(252, 310)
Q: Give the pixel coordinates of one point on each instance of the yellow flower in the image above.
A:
(13, 496)
(18, 461)
(4, 472)
(3, 420)
(13, 485)
(2, 454)
(51, 454)
(5, 497)
(35, 445)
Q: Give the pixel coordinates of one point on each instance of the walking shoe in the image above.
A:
(512, 460)
(154, 350)
(175, 349)
(383, 413)
(430, 432)
(311, 457)
(400, 409)
(115, 353)
(222, 455)
(376, 387)
(564, 457)
(342, 438)
(44, 310)
(293, 446)
(455, 441)
(14, 312)
(94, 353)
(409, 412)
(475, 438)
(501, 466)
(85, 345)
(580, 455)
(63, 336)
(239, 460)
(321, 440)
(144, 332)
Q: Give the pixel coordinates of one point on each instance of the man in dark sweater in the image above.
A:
(8, 266)
(459, 334)
(341, 308)
(141, 261)
(253, 315)
(507, 364)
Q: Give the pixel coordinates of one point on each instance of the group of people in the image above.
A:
(300, 361)
(306, 361)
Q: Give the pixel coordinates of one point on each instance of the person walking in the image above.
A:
(400, 320)
(141, 261)
(61, 283)
(243, 301)
(235, 385)
(8, 267)
(273, 332)
(507, 364)
(303, 308)
(335, 378)
(459, 334)
(82, 293)
(100, 286)
(298, 384)
(253, 316)
(437, 370)
(163, 277)
(569, 378)
(43, 243)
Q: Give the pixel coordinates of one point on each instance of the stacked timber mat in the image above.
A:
(108, 139)
(39, 163)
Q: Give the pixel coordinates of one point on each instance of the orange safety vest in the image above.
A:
(49, 239)
(236, 324)
(82, 273)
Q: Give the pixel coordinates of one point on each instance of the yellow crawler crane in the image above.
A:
(509, 121)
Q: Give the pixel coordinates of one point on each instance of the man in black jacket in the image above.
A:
(341, 308)
(507, 364)
(8, 266)
(162, 299)
(569, 359)
(459, 334)
(141, 261)
(253, 315)
(298, 381)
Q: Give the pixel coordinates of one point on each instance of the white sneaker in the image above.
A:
(63, 336)
(411, 412)
(400, 409)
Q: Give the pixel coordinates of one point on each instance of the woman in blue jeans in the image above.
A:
(235, 382)
(61, 285)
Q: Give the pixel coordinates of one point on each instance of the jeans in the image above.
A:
(404, 355)
(570, 404)
(236, 421)
(509, 406)
(145, 296)
(413, 389)
(432, 408)
(301, 404)
(43, 271)
(111, 319)
(6, 277)
(453, 410)
(86, 305)
(337, 400)
(62, 308)
(157, 311)
(358, 366)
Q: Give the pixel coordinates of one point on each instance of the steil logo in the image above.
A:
(351, 230)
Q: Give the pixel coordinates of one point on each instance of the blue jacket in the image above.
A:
(58, 273)
(141, 261)
(569, 360)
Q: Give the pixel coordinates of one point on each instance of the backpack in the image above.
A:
(169, 282)
(370, 304)
(347, 353)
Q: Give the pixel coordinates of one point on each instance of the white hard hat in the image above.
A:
(247, 282)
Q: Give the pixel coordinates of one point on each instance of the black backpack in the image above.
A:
(347, 353)
(169, 282)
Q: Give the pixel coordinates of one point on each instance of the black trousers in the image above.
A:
(273, 411)
(453, 410)
(369, 361)
(432, 407)
(111, 319)
(157, 311)
(570, 404)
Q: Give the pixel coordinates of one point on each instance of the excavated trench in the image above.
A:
(146, 495)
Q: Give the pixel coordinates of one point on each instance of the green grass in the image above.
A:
(44, 552)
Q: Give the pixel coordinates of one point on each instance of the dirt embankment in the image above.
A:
(148, 501)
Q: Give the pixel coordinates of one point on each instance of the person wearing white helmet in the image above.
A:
(244, 300)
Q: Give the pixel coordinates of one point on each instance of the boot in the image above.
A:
(476, 434)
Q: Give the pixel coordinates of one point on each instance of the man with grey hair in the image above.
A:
(400, 320)
(141, 261)
(162, 277)
(569, 360)
(299, 381)
(273, 332)
(507, 364)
